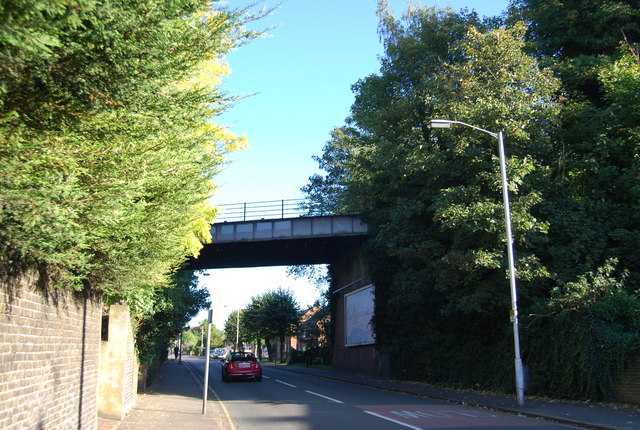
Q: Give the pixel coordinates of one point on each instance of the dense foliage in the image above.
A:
(432, 198)
(108, 148)
(216, 337)
(171, 309)
(270, 316)
(235, 334)
(591, 205)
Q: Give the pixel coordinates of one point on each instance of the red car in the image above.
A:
(241, 365)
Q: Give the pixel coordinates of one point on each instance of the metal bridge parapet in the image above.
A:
(269, 209)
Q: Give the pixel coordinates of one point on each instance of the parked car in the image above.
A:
(241, 365)
(217, 353)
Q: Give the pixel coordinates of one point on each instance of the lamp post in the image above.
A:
(180, 346)
(445, 123)
(238, 330)
(205, 387)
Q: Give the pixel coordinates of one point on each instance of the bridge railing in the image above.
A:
(269, 209)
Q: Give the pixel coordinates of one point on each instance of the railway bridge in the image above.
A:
(278, 233)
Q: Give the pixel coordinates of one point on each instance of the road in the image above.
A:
(286, 400)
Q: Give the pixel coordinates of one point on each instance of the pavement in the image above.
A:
(174, 401)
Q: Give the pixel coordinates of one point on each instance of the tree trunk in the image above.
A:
(269, 349)
(282, 358)
(259, 351)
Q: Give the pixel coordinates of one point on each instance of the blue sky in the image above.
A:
(298, 86)
(301, 78)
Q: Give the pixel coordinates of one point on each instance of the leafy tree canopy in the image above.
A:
(232, 330)
(162, 313)
(573, 28)
(563, 86)
(274, 314)
(108, 144)
(577, 36)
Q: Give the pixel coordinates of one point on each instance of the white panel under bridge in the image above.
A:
(323, 239)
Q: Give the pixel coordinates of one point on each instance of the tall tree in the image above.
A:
(575, 36)
(591, 203)
(162, 313)
(252, 322)
(573, 28)
(108, 148)
(594, 48)
(235, 332)
(433, 199)
(274, 314)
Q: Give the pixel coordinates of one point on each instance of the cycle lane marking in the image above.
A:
(449, 416)
(392, 420)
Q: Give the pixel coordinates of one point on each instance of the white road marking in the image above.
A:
(284, 383)
(393, 421)
(444, 413)
(324, 397)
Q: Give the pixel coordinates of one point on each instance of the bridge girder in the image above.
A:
(282, 242)
(291, 252)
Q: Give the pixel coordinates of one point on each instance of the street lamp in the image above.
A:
(445, 123)
(237, 328)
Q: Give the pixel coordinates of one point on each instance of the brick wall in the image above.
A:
(49, 349)
(628, 389)
(130, 374)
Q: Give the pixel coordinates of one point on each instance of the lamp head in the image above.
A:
(440, 123)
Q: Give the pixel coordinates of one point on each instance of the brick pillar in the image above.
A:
(118, 366)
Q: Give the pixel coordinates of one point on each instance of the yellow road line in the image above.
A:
(200, 382)
(224, 408)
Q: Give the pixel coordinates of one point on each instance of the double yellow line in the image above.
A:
(200, 382)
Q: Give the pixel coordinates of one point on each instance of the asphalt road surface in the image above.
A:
(285, 400)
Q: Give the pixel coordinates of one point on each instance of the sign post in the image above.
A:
(205, 388)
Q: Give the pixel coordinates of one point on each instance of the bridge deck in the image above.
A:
(288, 228)
(281, 242)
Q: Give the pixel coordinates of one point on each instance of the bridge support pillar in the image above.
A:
(351, 283)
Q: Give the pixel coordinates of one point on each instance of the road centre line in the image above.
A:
(324, 397)
(393, 421)
(284, 383)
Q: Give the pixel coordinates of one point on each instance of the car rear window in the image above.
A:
(239, 357)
